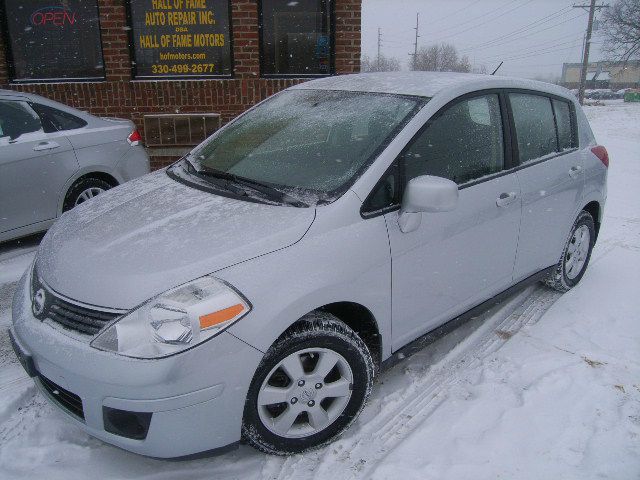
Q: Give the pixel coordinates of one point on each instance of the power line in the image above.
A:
(504, 55)
(538, 53)
(529, 65)
(549, 27)
(466, 7)
(489, 20)
(472, 19)
(529, 26)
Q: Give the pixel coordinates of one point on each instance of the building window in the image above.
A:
(180, 39)
(53, 41)
(295, 37)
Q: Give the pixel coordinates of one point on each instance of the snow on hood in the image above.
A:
(153, 233)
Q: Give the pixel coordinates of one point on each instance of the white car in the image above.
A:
(253, 289)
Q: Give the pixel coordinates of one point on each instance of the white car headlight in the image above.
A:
(175, 320)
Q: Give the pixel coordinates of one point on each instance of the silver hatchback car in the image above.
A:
(253, 289)
(54, 157)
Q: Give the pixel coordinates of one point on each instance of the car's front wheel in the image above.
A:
(576, 254)
(310, 386)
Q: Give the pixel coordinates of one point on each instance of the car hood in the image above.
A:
(153, 233)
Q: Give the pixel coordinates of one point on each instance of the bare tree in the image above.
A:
(382, 64)
(441, 57)
(621, 26)
(480, 69)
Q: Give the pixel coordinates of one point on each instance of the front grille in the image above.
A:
(78, 318)
(67, 400)
(70, 315)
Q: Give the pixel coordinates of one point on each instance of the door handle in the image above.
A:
(45, 146)
(575, 171)
(506, 198)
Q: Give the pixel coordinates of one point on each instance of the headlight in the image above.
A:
(175, 320)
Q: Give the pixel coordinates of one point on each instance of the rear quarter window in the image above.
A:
(55, 120)
(562, 111)
(535, 126)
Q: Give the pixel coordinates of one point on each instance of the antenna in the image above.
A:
(494, 72)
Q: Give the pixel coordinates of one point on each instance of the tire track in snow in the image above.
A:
(21, 391)
(13, 383)
(357, 455)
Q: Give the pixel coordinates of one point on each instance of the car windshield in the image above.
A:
(315, 140)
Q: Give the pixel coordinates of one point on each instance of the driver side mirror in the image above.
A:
(426, 193)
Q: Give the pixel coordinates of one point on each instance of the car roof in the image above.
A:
(426, 84)
(12, 93)
(46, 101)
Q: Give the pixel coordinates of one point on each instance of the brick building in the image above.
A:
(120, 68)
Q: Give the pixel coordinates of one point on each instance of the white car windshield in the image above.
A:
(310, 139)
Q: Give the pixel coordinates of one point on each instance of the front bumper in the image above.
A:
(196, 398)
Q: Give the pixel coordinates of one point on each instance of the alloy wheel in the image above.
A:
(305, 393)
(88, 194)
(577, 252)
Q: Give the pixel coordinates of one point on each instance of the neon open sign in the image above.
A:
(53, 15)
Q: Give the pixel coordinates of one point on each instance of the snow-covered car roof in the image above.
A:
(13, 94)
(426, 84)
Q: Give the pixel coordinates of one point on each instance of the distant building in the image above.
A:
(613, 75)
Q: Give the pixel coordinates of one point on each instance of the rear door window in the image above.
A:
(563, 120)
(18, 122)
(535, 126)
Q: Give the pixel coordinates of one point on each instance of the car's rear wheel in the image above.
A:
(310, 386)
(576, 254)
(83, 190)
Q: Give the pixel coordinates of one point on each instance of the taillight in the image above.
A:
(601, 152)
(134, 138)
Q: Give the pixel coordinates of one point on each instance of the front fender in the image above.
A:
(342, 258)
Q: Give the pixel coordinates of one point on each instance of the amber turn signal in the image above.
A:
(212, 319)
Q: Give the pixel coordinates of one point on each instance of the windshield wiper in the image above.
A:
(267, 190)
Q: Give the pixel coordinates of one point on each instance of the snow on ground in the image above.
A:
(543, 386)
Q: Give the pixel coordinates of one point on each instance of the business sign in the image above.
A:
(52, 40)
(180, 38)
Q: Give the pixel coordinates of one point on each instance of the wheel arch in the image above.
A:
(80, 175)
(593, 207)
(358, 318)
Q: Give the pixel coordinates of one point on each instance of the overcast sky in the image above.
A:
(537, 35)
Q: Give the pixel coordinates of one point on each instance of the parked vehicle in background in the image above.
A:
(603, 94)
(254, 288)
(54, 157)
(632, 95)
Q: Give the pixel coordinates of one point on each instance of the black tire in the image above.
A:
(559, 279)
(73, 195)
(316, 330)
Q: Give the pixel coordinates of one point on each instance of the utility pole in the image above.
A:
(379, 42)
(587, 44)
(415, 44)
